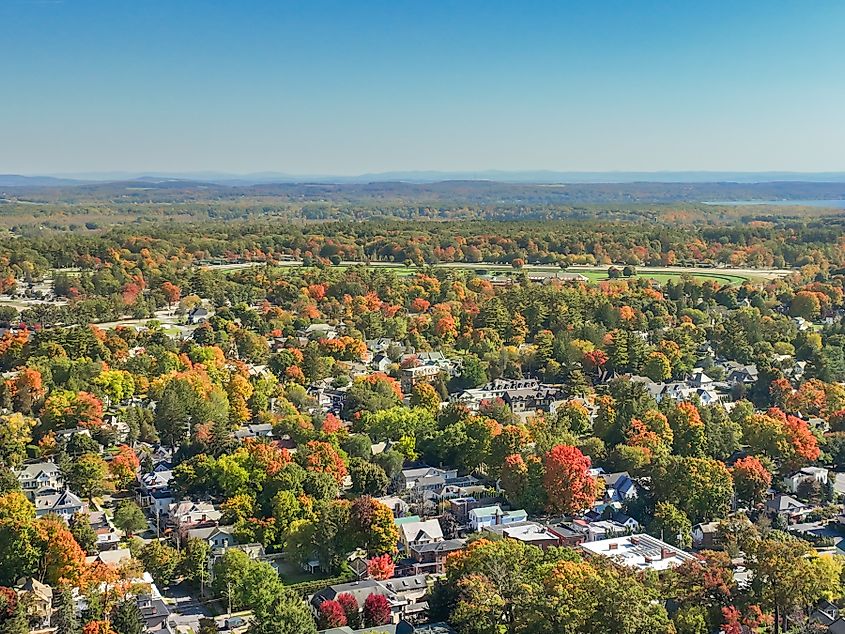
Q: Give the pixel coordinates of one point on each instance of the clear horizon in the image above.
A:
(341, 89)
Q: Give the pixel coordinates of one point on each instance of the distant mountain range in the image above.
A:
(501, 176)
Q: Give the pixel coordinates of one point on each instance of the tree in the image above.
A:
(126, 618)
(751, 480)
(87, 474)
(130, 518)
(381, 567)
(701, 488)
(83, 533)
(285, 613)
(64, 615)
(657, 367)
(351, 609)
(322, 457)
(424, 395)
(330, 614)
(15, 435)
(671, 525)
(160, 560)
(62, 560)
(376, 610)
(567, 482)
(367, 478)
(787, 576)
(373, 525)
(124, 466)
(194, 564)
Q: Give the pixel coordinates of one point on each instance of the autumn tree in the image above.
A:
(751, 480)
(567, 482)
(377, 610)
(381, 567)
(330, 614)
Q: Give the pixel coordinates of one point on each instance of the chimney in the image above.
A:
(665, 553)
(612, 546)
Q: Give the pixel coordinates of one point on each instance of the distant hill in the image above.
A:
(16, 180)
(429, 176)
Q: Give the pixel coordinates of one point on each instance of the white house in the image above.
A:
(39, 476)
(420, 532)
(494, 516)
(794, 480)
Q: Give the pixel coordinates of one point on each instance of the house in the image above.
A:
(64, 504)
(425, 477)
(110, 557)
(108, 537)
(198, 315)
(494, 515)
(155, 615)
(187, 514)
(396, 504)
(787, 506)
(601, 529)
(39, 476)
(258, 430)
(319, 331)
(419, 532)
(619, 487)
(154, 490)
(706, 535)
(361, 590)
(412, 589)
(381, 363)
(807, 474)
(217, 537)
(736, 373)
(431, 557)
(409, 377)
(461, 506)
(527, 533)
(570, 535)
(640, 552)
(38, 598)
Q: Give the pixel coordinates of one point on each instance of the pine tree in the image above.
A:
(126, 618)
(64, 616)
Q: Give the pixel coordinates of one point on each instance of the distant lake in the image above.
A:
(835, 204)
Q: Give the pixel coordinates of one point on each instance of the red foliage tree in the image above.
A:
(172, 293)
(324, 458)
(331, 614)
(376, 610)
(751, 479)
(567, 481)
(124, 465)
(381, 567)
(351, 609)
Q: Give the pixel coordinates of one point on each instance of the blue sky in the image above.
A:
(323, 87)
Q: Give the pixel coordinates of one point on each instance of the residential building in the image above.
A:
(431, 557)
(64, 504)
(527, 532)
(37, 477)
(705, 535)
(419, 532)
(493, 516)
(619, 487)
(38, 598)
(807, 474)
(361, 590)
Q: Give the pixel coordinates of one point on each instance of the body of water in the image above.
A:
(832, 204)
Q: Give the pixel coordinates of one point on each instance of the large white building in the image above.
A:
(641, 552)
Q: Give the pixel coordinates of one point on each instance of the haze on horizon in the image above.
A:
(340, 88)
